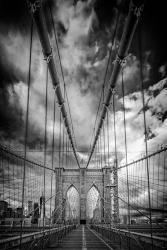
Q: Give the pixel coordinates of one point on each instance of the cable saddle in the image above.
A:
(55, 86)
(136, 10)
(33, 7)
(48, 56)
(121, 61)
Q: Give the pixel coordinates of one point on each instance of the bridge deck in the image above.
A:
(81, 238)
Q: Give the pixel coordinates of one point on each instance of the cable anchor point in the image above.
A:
(33, 7)
(113, 91)
(61, 104)
(55, 86)
(121, 61)
(48, 56)
(136, 10)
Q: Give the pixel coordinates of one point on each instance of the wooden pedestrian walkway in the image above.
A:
(81, 238)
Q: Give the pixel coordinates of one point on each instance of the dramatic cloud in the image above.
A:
(84, 32)
(80, 61)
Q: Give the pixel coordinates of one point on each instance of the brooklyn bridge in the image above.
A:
(61, 194)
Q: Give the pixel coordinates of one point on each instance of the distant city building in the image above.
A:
(19, 212)
(3, 207)
(124, 219)
(30, 207)
(36, 213)
(9, 213)
(42, 206)
(27, 222)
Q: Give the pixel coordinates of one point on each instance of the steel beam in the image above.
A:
(135, 9)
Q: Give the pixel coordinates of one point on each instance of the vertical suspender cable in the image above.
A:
(115, 132)
(126, 154)
(103, 87)
(99, 153)
(62, 153)
(63, 142)
(164, 173)
(110, 170)
(126, 157)
(145, 132)
(101, 160)
(108, 143)
(45, 148)
(26, 131)
(53, 146)
(59, 174)
(95, 156)
(116, 202)
(60, 142)
(66, 150)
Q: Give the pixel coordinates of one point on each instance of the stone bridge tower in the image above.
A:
(83, 180)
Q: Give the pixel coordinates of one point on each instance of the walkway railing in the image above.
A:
(36, 240)
(138, 179)
(11, 187)
(122, 239)
(38, 222)
(128, 224)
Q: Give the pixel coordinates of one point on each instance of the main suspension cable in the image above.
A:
(106, 71)
(40, 20)
(128, 33)
(62, 73)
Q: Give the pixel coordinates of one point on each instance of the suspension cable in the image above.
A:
(130, 27)
(145, 131)
(38, 15)
(108, 141)
(125, 143)
(115, 132)
(26, 131)
(104, 144)
(45, 148)
(53, 145)
(126, 153)
(106, 71)
(62, 73)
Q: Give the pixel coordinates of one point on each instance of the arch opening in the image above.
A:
(72, 205)
(93, 205)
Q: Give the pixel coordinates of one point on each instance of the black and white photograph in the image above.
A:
(83, 125)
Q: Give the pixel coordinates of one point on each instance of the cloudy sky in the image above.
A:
(85, 34)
